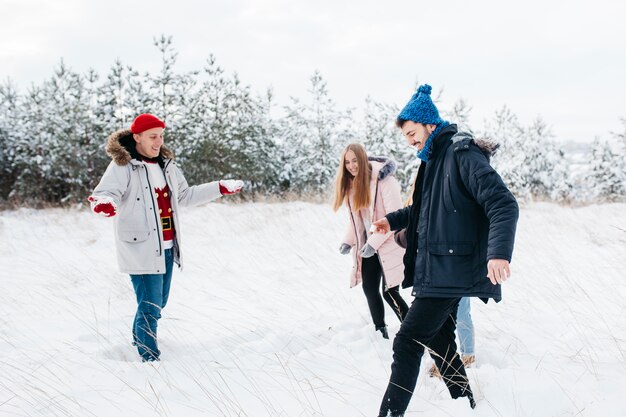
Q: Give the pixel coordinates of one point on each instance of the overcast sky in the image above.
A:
(562, 60)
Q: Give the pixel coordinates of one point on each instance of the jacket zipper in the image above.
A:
(154, 209)
(176, 247)
(356, 236)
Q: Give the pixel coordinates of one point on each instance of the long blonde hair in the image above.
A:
(344, 181)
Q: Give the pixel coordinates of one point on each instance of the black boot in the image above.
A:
(383, 330)
(470, 397)
(391, 414)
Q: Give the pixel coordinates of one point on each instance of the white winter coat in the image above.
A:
(138, 229)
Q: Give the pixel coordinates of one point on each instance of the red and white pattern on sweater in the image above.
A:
(163, 195)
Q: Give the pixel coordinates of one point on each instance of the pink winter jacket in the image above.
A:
(386, 198)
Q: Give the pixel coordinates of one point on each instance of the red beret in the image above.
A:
(144, 122)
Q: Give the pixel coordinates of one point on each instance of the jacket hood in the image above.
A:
(121, 148)
(486, 146)
(385, 166)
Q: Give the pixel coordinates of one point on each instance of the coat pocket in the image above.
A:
(134, 235)
(452, 264)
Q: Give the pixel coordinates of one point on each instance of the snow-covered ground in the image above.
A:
(262, 323)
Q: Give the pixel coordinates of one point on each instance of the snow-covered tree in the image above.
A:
(459, 114)
(164, 85)
(9, 130)
(121, 97)
(529, 160)
(59, 151)
(52, 137)
(312, 134)
(383, 138)
(223, 131)
(621, 136)
(505, 130)
(607, 179)
(544, 163)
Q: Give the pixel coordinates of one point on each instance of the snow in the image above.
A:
(262, 321)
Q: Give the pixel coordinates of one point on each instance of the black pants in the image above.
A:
(429, 323)
(371, 273)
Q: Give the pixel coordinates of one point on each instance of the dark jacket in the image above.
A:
(462, 215)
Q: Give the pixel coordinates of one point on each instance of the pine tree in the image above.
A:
(9, 130)
(164, 84)
(312, 135)
(225, 131)
(621, 136)
(505, 130)
(383, 138)
(607, 178)
(459, 115)
(117, 106)
(530, 161)
(543, 164)
(59, 153)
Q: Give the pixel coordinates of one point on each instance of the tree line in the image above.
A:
(52, 137)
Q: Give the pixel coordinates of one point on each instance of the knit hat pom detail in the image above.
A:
(426, 89)
(421, 109)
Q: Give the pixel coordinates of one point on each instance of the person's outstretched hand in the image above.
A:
(381, 226)
(228, 187)
(104, 206)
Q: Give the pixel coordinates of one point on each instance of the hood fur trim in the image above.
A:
(389, 166)
(119, 146)
(486, 146)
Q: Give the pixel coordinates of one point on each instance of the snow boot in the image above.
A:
(391, 414)
(383, 330)
(468, 360)
(470, 397)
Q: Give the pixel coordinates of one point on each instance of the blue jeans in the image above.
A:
(152, 291)
(465, 327)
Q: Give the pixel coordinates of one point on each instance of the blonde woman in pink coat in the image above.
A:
(369, 190)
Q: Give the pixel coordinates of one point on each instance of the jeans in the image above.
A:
(465, 327)
(371, 273)
(430, 323)
(152, 291)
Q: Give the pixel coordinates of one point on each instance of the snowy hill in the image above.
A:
(262, 323)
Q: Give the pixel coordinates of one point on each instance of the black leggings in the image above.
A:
(372, 272)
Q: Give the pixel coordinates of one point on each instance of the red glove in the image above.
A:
(228, 187)
(104, 206)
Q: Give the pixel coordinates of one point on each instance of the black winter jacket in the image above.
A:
(462, 215)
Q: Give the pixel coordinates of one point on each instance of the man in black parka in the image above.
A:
(460, 231)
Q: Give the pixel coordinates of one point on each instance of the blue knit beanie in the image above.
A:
(421, 109)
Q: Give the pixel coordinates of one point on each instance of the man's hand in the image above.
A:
(344, 249)
(228, 187)
(367, 251)
(104, 206)
(498, 271)
(381, 226)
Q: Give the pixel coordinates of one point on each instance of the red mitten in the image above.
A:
(228, 187)
(104, 206)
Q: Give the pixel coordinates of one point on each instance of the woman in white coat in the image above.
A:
(369, 190)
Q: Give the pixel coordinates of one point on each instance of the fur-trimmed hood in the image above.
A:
(387, 166)
(486, 146)
(121, 148)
